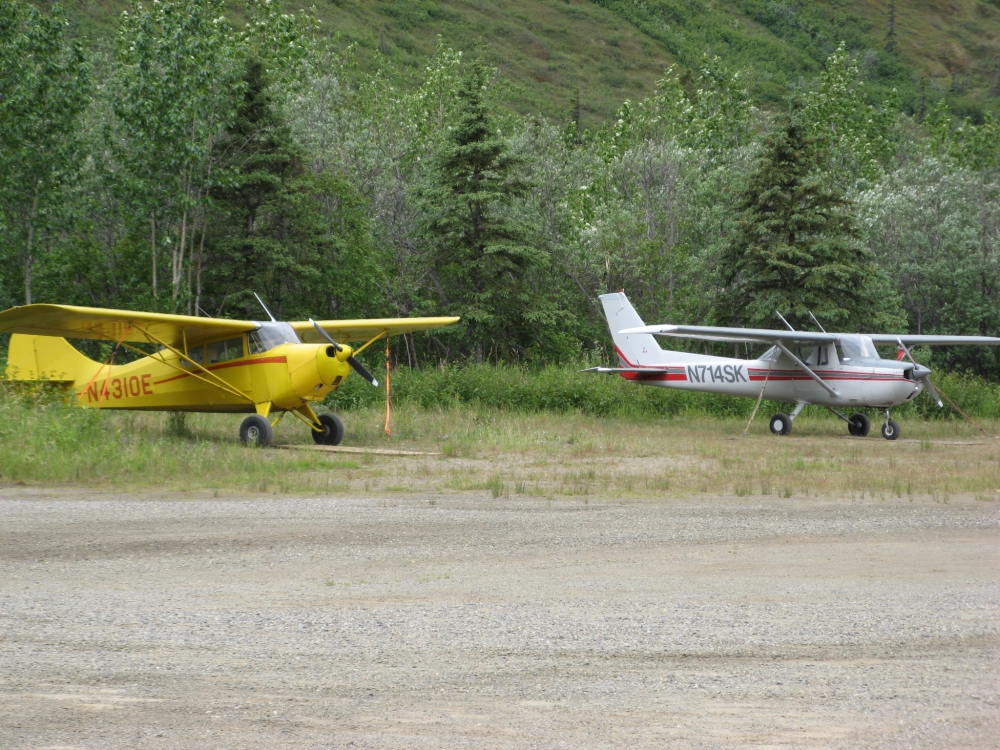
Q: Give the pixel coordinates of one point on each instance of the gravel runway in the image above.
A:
(450, 621)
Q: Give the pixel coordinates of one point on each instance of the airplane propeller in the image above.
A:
(351, 360)
(921, 373)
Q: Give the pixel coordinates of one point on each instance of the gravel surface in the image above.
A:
(463, 621)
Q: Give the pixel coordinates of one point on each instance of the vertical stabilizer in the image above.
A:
(635, 350)
(47, 358)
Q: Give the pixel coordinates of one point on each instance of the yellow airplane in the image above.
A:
(200, 364)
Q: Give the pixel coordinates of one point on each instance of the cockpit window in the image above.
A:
(223, 351)
(857, 347)
(815, 355)
(270, 335)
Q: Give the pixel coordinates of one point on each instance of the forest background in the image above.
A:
(181, 155)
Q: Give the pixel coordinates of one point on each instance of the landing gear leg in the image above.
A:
(890, 430)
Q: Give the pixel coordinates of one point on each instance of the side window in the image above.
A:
(807, 355)
(196, 354)
(223, 351)
(254, 344)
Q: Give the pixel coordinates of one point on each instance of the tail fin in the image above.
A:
(633, 349)
(48, 358)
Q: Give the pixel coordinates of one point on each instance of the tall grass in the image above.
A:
(506, 431)
(44, 437)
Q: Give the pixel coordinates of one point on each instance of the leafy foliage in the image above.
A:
(44, 87)
(203, 161)
(797, 249)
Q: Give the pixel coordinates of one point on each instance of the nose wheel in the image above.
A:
(890, 430)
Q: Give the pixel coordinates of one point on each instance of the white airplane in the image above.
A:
(837, 370)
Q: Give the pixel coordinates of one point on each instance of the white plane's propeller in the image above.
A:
(351, 360)
(922, 374)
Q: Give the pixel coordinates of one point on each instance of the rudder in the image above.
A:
(635, 349)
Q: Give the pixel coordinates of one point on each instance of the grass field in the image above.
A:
(544, 455)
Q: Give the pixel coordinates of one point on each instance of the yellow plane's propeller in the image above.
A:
(351, 360)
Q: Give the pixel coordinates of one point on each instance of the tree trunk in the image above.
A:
(177, 258)
(152, 223)
(27, 249)
(201, 254)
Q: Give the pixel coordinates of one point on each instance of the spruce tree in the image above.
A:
(797, 248)
(298, 238)
(482, 258)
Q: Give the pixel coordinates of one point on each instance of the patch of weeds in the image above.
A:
(177, 425)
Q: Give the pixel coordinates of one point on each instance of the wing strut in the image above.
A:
(221, 384)
(803, 365)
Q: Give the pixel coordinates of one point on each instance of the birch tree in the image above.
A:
(44, 87)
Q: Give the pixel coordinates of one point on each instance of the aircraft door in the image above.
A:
(818, 358)
(227, 360)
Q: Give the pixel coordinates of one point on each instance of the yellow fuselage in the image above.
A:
(285, 377)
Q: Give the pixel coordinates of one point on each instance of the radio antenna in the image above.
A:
(782, 320)
(816, 321)
(265, 307)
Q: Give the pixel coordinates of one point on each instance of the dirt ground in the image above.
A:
(463, 620)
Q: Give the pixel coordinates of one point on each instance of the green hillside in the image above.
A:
(611, 50)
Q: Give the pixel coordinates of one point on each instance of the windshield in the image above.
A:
(269, 335)
(857, 347)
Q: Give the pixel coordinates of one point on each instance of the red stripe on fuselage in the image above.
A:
(654, 375)
(224, 365)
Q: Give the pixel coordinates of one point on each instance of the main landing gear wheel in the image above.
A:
(781, 424)
(333, 429)
(256, 431)
(890, 430)
(859, 425)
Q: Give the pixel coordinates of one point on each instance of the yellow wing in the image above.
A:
(73, 322)
(345, 331)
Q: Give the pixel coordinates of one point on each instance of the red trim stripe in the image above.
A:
(224, 365)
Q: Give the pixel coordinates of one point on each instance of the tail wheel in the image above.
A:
(781, 424)
(256, 431)
(859, 425)
(333, 429)
(890, 430)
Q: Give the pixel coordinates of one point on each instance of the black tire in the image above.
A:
(256, 431)
(781, 424)
(860, 425)
(890, 430)
(333, 429)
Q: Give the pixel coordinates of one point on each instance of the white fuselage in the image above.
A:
(871, 382)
